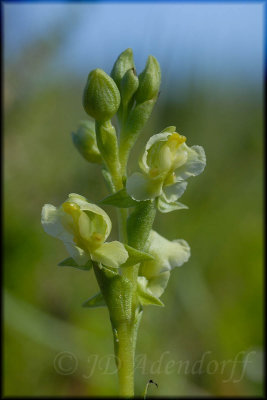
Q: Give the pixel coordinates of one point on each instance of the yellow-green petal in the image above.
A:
(85, 226)
(158, 138)
(85, 206)
(111, 254)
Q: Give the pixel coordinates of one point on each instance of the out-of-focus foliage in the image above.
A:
(213, 303)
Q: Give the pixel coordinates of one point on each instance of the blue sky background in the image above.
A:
(219, 42)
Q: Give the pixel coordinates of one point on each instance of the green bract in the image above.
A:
(101, 96)
(83, 227)
(165, 164)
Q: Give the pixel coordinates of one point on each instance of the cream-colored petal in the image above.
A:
(77, 253)
(195, 164)
(158, 283)
(140, 187)
(51, 220)
(174, 192)
(179, 158)
(75, 196)
(167, 255)
(111, 254)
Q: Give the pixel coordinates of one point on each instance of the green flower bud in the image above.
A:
(101, 97)
(123, 63)
(136, 120)
(108, 146)
(85, 142)
(129, 85)
(149, 81)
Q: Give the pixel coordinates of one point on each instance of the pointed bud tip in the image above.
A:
(149, 81)
(122, 64)
(128, 51)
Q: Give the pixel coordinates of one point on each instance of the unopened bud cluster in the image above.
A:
(124, 93)
(104, 94)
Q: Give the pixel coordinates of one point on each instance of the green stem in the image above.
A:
(122, 214)
(139, 224)
(124, 346)
(131, 129)
(125, 336)
(124, 152)
(124, 316)
(119, 291)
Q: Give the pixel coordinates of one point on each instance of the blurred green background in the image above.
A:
(212, 320)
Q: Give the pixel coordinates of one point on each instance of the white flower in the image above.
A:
(165, 164)
(83, 227)
(167, 255)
